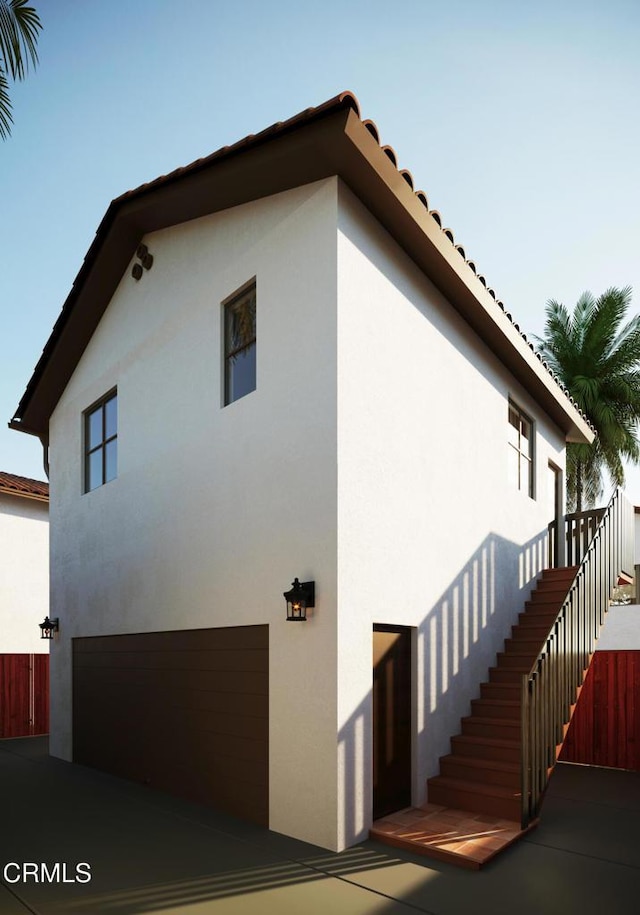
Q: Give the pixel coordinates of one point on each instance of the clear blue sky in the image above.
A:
(519, 120)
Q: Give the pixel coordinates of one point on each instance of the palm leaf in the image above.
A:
(5, 107)
(19, 27)
(598, 360)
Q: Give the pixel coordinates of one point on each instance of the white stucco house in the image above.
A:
(24, 604)
(275, 364)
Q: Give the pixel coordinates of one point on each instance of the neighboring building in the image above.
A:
(24, 603)
(275, 363)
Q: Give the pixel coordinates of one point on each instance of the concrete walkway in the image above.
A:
(150, 853)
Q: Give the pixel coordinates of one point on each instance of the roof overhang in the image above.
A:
(331, 140)
(23, 488)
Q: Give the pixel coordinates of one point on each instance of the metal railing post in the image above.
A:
(601, 542)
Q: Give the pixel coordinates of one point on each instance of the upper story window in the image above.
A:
(101, 442)
(240, 344)
(520, 449)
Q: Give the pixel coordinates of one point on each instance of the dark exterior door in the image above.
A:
(391, 719)
(186, 712)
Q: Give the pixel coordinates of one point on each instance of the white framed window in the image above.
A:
(101, 442)
(520, 446)
(240, 344)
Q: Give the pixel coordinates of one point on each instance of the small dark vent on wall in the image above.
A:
(145, 260)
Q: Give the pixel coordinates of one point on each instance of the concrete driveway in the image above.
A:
(151, 853)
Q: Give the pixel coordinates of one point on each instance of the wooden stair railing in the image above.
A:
(483, 771)
(549, 686)
(501, 760)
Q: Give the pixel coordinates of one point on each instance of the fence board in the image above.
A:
(605, 728)
(24, 695)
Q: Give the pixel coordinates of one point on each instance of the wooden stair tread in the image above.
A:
(484, 719)
(501, 690)
(475, 763)
(500, 703)
(485, 788)
(482, 771)
(499, 742)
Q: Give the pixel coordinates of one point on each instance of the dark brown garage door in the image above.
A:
(186, 712)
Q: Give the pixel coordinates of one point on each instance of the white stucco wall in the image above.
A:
(430, 532)
(372, 457)
(621, 629)
(215, 509)
(24, 574)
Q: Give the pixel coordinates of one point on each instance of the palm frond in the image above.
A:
(5, 107)
(19, 28)
(598, 360)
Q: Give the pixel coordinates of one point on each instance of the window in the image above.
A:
(101, 443)
(240, 345)
(520, 449)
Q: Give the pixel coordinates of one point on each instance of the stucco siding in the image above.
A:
(372, 458)
(431, 534)
(216, 509)
(24, 580)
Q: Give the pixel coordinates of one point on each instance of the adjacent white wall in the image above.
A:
(430, 533)
(215, 509)
(24, 574)
(621, 629)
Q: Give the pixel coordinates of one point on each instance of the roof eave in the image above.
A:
(34, 497)
(336, 142)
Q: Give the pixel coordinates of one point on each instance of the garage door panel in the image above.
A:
(216, 681)
(194, 700)
(191, 720)
(236, 797)
(236, 759)
(224, 639)
(232, 660)
(178, 723)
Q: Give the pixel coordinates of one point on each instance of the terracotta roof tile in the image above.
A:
(24, 486)
(343, 100)
(347, 99)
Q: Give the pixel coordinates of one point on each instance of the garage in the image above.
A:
(185, 712)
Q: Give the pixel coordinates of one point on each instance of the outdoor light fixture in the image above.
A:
(48, 628)
(299, 598)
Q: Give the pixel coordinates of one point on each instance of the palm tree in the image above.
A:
(19, 27)
(598, 361)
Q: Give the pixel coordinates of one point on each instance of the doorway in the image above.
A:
(391, 719)
(556, 556)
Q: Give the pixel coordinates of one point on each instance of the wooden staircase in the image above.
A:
(473, 807)
(482, 773)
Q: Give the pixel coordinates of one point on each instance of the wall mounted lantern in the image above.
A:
(48, 628)
(299, 599)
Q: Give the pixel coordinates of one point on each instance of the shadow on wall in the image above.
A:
(456, 643)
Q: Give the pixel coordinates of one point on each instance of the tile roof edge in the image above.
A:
(343, 100)
(24, 487)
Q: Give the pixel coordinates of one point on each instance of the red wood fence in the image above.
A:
(24, 694)
(605, 728)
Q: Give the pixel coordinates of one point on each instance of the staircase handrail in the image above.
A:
(548, 689)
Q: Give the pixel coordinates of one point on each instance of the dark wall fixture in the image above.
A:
(48, 627)
(301, 596)
(146, 261)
